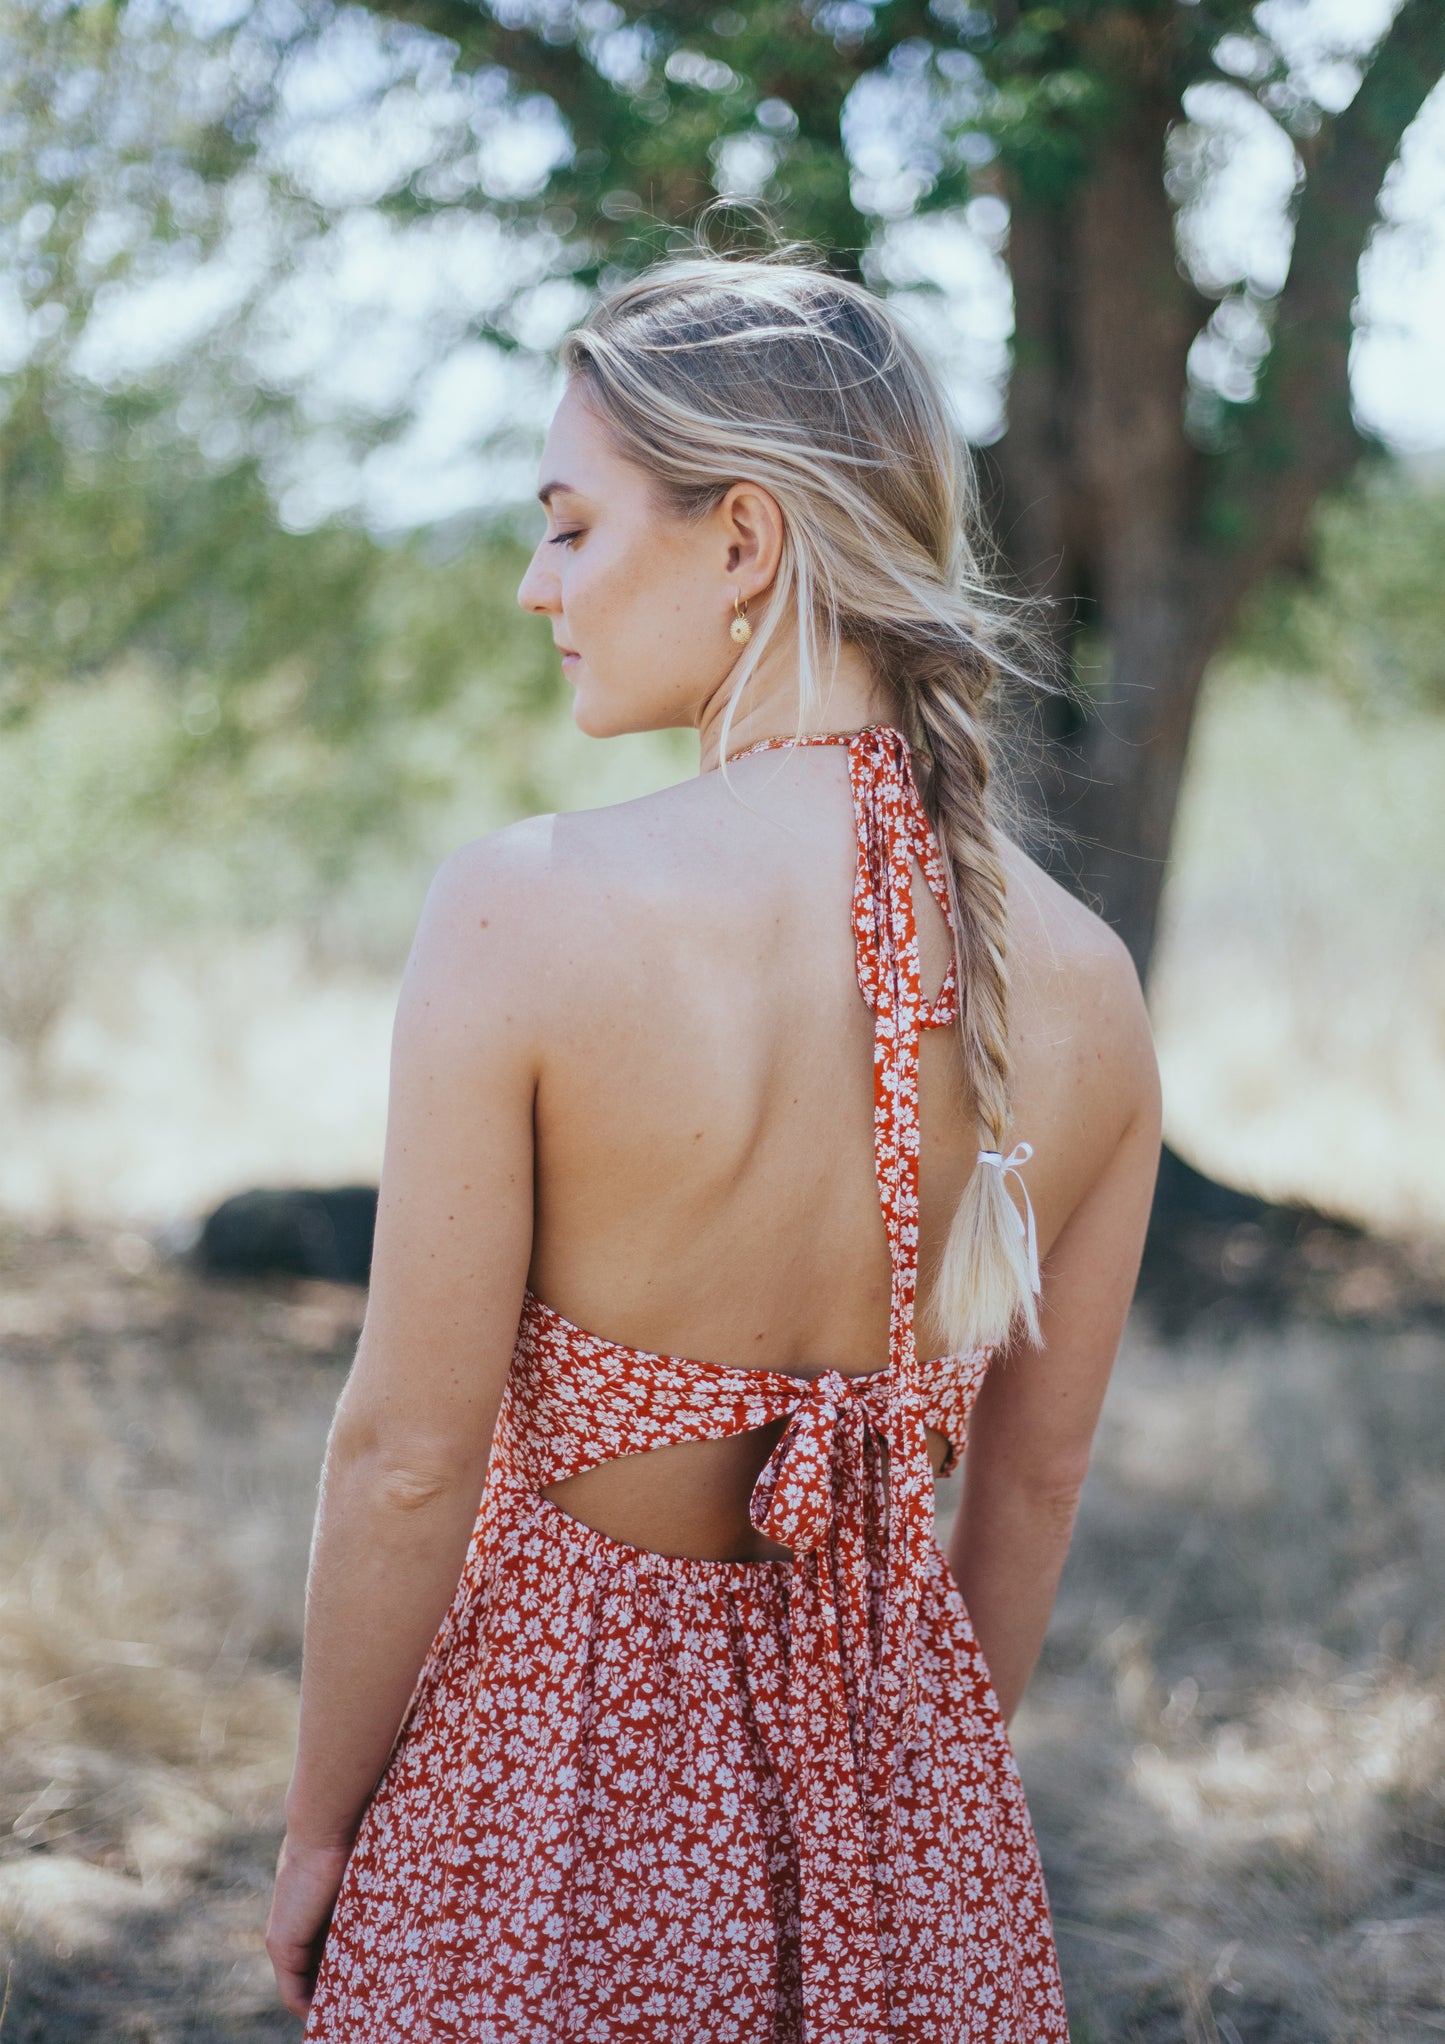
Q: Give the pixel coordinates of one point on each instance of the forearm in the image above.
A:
(1006, 1550)
(385, 1560)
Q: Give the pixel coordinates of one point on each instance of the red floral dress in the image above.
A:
(636, 1797)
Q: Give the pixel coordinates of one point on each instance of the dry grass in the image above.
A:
(158, 1466)
(1298, 993)
(1233, 1747)
(1235, 1744)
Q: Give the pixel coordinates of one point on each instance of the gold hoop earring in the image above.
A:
(739, 631)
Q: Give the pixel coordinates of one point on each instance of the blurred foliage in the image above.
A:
(1369, 620)
(116, 164)
(213, 703)
(139, 512)
(149, 153)
(667, 104)
(203, 714)
(135, 806)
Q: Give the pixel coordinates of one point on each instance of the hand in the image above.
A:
(308, 1880)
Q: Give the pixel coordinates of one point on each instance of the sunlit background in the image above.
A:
(280, 287)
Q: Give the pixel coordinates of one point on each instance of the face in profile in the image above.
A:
(639, 598)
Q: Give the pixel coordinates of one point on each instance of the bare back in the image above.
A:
(703, 1123)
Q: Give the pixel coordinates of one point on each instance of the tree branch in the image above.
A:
(1299, 435)
(560, 70)
(781, 54)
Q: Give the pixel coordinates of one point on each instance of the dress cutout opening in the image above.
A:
(644, 1799)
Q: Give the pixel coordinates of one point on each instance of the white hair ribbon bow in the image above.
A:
(1019, 1154)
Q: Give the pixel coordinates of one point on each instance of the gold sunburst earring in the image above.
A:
(740, 631)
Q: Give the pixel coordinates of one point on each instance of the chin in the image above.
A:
(597, 715)
(591, 717)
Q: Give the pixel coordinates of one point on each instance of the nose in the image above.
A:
(539, 590)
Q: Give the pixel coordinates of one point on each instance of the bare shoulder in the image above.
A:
(1078, 1016)
(487, 922)
(579, 865)
(496, 881)
(541, 902)
(1054, 935)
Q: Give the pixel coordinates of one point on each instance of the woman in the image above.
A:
(708, 1740)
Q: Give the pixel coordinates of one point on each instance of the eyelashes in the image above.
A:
(563, 538)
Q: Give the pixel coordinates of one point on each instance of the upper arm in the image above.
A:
(1036, 1414)
(454, 1209)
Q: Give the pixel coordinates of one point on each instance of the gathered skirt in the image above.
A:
(585, 1833)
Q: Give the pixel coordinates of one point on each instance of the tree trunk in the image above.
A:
(1097, 491)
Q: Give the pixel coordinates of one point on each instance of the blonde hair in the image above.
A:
(709, 369)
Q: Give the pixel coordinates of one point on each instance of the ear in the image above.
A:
(751, 528)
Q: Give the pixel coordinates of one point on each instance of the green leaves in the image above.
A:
(1369, 619)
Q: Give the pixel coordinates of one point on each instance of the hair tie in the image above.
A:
(1019, 1154)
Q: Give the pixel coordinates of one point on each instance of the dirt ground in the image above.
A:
(1234, 1745)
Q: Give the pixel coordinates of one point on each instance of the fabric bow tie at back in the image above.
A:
(1004, 1165)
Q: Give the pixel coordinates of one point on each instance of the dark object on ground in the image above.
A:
(1215, 1258)
(1222, 1261)
(319, 1232)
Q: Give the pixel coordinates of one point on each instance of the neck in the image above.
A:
(851, 699)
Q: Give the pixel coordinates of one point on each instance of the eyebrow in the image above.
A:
(544, 495)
